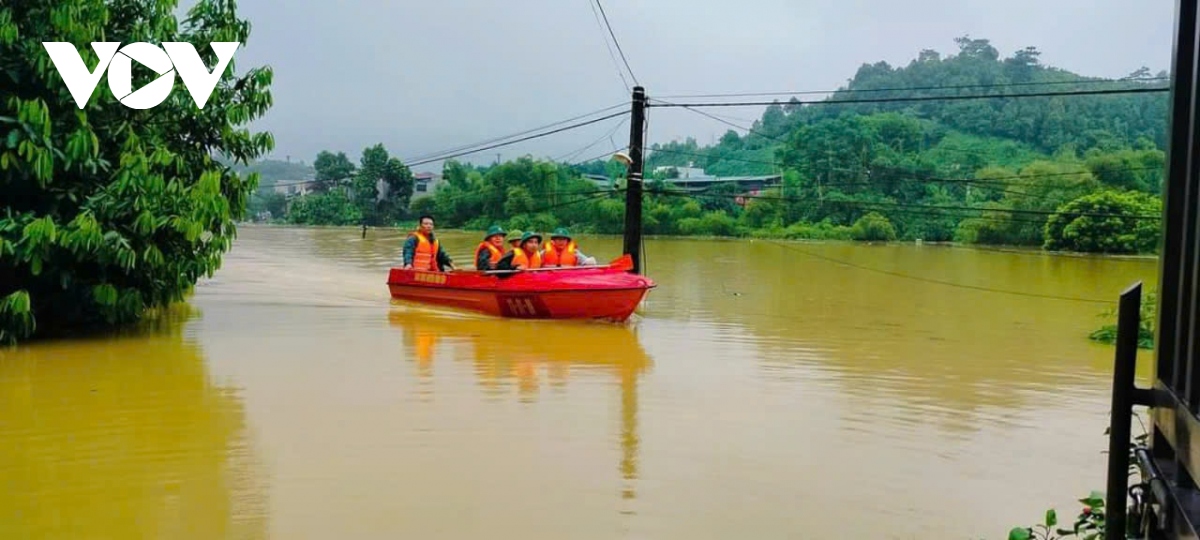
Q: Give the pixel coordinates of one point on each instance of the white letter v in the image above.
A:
(199, 82)
(80, 82)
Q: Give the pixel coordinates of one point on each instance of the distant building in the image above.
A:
(752, 185)
(425, 184)
(293, 188)
(599, 179)
(693, 179)
(681, 172)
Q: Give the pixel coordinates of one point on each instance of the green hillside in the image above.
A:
(928, 167)
(271, 171)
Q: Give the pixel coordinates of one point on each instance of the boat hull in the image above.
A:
(571, 293)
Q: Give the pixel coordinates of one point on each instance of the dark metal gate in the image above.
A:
(1166, 501)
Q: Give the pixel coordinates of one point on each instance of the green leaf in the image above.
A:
(1020, 533)
(1051, 518)
(1095, 500)
(18, 302)
(105, 294)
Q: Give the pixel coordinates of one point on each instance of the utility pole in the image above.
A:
(633, 183)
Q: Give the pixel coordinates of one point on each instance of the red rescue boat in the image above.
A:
(607, 292)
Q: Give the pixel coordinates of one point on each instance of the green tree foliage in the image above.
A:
(376, 192)
(1046, 122)
(379, 170)
(980, 171)
(1106, 222)
(332, 170)
(267, 201)
(524, 194)
(333, 207)
(873, 227)
(109, 211)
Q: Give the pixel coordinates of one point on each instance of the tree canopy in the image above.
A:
(111, 211)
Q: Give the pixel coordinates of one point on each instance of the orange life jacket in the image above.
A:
(567, 258)
(525, 261)
(425, 256)
(496, 254)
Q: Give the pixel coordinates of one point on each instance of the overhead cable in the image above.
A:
(913, 88)
(910, 99)
(517, 134)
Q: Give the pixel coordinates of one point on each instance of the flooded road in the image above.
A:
(766, 390)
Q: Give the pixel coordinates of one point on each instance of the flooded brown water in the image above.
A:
(763, 391)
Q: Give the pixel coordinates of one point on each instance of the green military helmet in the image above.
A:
(528, 235)
(561, 232)
(516, 237)
(493, 231)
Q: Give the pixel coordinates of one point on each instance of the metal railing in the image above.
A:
(1166, 500)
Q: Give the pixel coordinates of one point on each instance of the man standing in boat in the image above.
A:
(491, 250)
(422, 251)
(562, 251)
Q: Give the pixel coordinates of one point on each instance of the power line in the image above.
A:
(853, 101)
(605, 154)
(915, 88)
(512, 142)
(717, 158)
(969, 183)
(715, 117)
(869, 204)
(999, 180)
(574, 154)
(981, 184)
(915, 210)
(785, 143)
(620, 73)
(617, 43)
(497, 139)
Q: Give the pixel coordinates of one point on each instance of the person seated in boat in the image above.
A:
(515, 240)
(562, 251)
(491, 249)
(422, 251)
(526, 257)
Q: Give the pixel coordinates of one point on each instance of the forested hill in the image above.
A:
(997, 171)
(271, 171)
(1046, 125)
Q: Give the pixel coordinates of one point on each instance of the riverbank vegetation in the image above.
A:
(1149, 313)
(111, 211)
(336, 191)
(1066, 173)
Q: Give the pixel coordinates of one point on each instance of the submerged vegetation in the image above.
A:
(1149, 313)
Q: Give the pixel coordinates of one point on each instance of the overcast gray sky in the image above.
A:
(421, 77)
